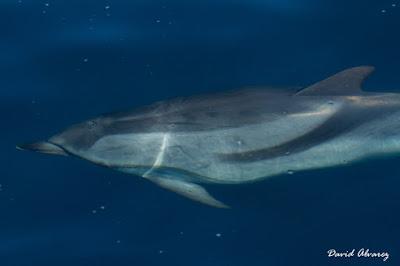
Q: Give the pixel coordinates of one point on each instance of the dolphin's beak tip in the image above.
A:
(18, 147)
(42, 147)
(24, 146)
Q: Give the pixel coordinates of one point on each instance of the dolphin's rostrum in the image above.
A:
(240, 136)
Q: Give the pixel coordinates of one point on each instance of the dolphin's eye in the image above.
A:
(91, 124)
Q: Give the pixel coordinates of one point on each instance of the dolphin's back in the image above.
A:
(207, 112)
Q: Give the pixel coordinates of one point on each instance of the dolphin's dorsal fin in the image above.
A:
(346, 82)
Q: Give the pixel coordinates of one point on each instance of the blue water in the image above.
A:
(65, 61)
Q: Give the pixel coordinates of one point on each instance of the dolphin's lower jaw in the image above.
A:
(43, 147)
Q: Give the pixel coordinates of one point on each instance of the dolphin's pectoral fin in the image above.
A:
(189, 190)
(346, 82)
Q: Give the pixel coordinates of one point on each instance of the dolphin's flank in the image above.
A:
(241, 136)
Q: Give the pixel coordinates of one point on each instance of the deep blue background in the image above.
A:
(70, 60)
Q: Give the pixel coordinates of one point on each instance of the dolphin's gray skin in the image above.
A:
(241, 136)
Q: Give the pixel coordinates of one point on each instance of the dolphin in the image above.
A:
(239, 136)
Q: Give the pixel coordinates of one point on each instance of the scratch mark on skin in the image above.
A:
(160, 156)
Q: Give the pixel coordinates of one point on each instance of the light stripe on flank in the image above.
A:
(341, 122)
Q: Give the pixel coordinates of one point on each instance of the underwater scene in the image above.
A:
(199, 133)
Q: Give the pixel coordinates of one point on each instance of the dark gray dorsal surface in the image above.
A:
(206, 112)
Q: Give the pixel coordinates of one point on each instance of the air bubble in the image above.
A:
(290, 172)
